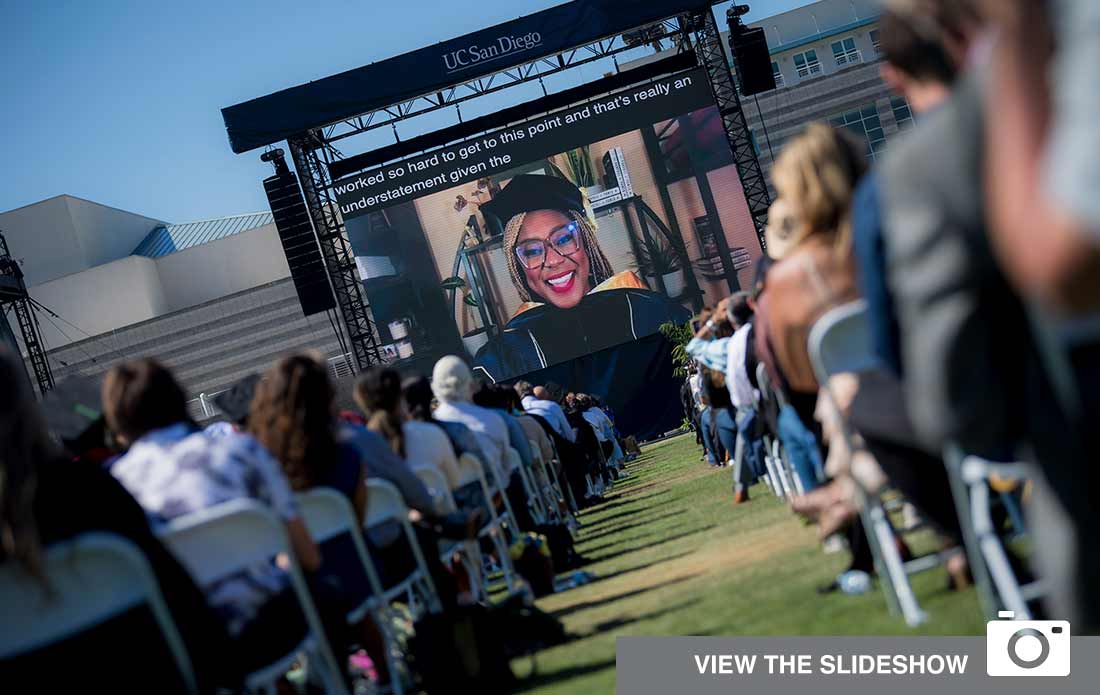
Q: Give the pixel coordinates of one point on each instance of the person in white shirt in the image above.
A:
(452, 384)
(605, 430)
(172, 468)
(535, 402)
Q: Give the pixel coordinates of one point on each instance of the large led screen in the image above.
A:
(556, 237)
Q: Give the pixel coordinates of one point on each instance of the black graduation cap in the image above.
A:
(237, 401)
(528, 192)
(73, 407)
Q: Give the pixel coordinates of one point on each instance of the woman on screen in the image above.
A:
(573, 301)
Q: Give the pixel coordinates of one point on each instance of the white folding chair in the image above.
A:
(534, 499)
(839, 343)
(233, 537)
(328, 514)
(472, 484)
(437, 486)
(996, 582)
(92, 578)
(385, 504)
(547, 484)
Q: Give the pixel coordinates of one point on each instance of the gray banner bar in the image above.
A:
(855, 665)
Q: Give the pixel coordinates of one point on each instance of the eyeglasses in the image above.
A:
(565, 240)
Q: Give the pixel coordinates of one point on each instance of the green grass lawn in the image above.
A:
(674, 556)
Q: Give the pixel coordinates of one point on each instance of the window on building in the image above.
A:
(777, 74)
(845, 51)
(806, 63)
(902, 113)
(864, 122)
(874, 41)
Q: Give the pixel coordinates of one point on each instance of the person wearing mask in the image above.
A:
(47, 498)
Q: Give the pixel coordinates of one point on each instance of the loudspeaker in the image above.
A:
(752, 59)
(307, 269)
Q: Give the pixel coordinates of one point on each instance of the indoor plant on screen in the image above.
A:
(474, 334)
(578, 169)
(659, 258)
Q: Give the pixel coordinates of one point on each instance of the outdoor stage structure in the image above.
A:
(14, 297)
(498, 237)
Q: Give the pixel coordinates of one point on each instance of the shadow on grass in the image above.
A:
(590, 552)
(578, 607)
(619, 501)
(600, 533)
(537, 679)
(619, 515)
(628, 570)
(616, 623)
(632, 540)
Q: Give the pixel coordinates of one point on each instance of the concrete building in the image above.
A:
(211, 299)
(825, 58)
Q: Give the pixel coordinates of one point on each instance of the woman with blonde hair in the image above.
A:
(809, 235)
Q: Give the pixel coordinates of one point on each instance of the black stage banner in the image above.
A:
(269, 119)
(637, 107)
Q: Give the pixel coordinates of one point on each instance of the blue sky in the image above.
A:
(119, 102)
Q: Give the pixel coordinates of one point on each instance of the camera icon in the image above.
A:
(1026, 647)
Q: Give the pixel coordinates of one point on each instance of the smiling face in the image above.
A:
(563, 278)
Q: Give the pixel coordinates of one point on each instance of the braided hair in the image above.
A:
(599, 268)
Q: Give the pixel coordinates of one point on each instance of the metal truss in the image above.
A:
(312, 151)
(528, 72)
(712, 56)
(335, 248)
(13, 293)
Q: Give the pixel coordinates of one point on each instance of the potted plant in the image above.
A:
(660, 258)
(578, 170)
(473, 338)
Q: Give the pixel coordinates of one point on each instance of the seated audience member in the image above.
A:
(291, 414)
(814, 176)
(536, 402)
(591, 453)
(488, 396)
(605, 430)
(173, 468)
(378, 393)
(809, 237)
(574, 464)
(452, 384)
(531, 427)
(417, 394)
(490, 403)
(383, 464)
(48, 498)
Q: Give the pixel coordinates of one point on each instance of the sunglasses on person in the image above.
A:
(565, 240)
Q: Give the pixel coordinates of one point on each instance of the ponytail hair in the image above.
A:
(378, 394)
